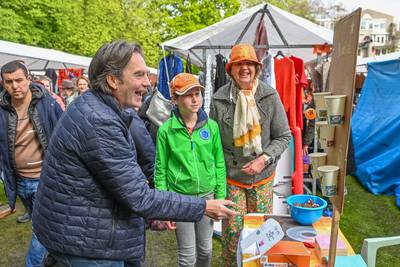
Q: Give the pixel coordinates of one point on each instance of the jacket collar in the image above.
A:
(177, 121)
(229, 92)
(110, 101)
(38, 92)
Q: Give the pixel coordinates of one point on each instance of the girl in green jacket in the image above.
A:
(190, 161)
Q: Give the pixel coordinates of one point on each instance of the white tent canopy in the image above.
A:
(37, 58)
(218, 38)
(362, 62)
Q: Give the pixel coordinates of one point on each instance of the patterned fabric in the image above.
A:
(246, 122)
(257, 199)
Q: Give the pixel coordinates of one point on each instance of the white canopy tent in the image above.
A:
(362, 62)
(285, 31)
(37, 58)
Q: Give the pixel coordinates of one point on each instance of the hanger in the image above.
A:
(279, 53)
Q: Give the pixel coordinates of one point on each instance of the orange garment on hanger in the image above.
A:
(301, 83)
(286, 87)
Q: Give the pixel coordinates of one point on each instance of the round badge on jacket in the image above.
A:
(205, 134)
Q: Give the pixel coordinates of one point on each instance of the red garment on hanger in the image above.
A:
(286, 87)
(301, 83)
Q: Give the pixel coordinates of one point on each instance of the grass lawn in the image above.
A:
(365, 215)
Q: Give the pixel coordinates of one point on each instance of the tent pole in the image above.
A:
(196, 56)
(275, 26)
(256, 46)
(166, 67)
(247, 26)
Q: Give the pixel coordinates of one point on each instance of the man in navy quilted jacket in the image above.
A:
(93, 197)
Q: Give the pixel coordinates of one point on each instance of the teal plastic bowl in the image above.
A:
(306, 216)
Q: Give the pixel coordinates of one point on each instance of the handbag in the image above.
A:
(159, 109)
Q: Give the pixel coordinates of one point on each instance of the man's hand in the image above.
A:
(255, 166)
(217, 210)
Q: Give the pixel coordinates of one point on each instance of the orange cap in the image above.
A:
(182, 83)
(242, 52)
(310, 114)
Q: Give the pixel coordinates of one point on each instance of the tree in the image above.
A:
(298, 7)
(185, 16)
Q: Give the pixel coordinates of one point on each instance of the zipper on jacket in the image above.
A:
(195, 164)
(114, 218)
(35, 127)
(12, 154)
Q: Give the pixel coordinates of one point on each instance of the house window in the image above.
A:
(363, 25)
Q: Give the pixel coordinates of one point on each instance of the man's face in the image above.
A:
(190, 102)
(82, 86)
(133, 84)
(243, 73)
(16, 84)
(68, 91)
(46, 84)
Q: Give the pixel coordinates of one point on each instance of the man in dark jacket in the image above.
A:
(93, 196)
(28, 116)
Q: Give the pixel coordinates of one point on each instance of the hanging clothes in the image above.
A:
(286, 87)
(208, 88)
(301, 83)
(169, 67)
(188, 68)
(52, 74)
(261, 38)
(220, 72)
(268, 70)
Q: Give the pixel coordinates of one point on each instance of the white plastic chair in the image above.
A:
(371, 245)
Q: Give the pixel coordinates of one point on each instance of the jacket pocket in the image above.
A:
(178, 176)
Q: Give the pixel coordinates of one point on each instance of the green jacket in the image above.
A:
(190, 164)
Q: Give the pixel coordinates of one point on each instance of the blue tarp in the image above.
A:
(376, 129)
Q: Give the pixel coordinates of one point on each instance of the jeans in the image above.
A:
(75, 261)
(36, 253)
(26, 190)
(195, 242)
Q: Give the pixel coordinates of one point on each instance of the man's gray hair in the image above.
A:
(111, 59)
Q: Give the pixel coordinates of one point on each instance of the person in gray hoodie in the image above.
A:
(254, 132)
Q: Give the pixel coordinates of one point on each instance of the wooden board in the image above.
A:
(342, 75)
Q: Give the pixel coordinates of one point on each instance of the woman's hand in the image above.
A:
(256, 166)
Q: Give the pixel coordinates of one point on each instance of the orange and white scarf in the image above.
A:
(246, 125)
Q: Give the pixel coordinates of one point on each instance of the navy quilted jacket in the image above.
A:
(93, 197)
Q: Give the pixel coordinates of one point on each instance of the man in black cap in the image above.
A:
(70, 94)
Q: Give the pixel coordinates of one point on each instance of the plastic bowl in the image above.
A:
(302, 215)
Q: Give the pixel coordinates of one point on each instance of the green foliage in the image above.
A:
(82, 26)
(298, 7)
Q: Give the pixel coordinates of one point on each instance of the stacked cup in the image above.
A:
(329, 176)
